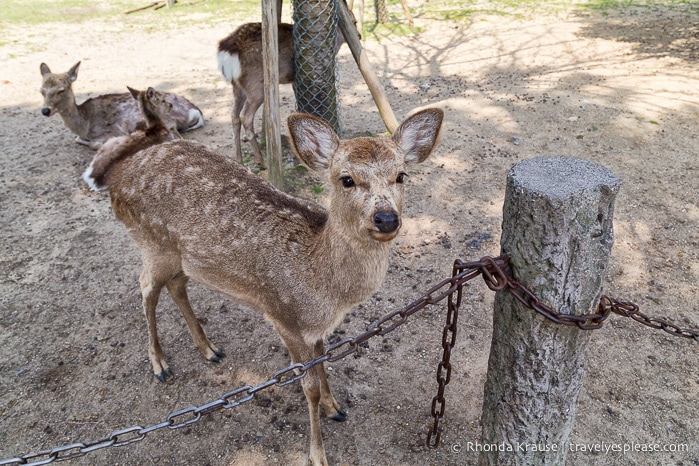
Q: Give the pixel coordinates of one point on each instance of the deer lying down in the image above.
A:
(106, 116)
(154, 106)
(197, 214)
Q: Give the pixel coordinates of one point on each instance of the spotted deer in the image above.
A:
(102, 117)
(240, 62)
(154, 106)
(195, 213)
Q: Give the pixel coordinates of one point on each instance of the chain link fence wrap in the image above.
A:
(315, 50)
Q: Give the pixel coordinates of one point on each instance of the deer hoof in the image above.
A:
(339, 416)
(164, 375)
(216, 357)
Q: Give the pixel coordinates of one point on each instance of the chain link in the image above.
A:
(607, 305)
(493, 272)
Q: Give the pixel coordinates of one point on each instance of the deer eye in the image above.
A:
(347, 181)
(400, 178)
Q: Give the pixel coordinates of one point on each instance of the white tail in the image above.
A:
(106, 116)
(240, 63)
(196, 213)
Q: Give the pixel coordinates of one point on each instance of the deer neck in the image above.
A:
(74, 116)
(354, 267)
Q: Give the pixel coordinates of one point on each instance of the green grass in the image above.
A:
(465, 10)
(32, 12)
(187, 12)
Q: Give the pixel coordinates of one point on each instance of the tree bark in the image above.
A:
(270, 111)
(557, 228)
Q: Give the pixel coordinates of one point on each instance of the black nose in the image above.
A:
(46, 111)
(386, 222)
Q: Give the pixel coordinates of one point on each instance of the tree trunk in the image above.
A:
(270, 111)
(315, 47)
(557, 228)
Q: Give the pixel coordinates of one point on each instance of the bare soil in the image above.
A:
(620, 89)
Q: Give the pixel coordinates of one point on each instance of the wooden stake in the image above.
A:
(355, 45)
(152, 5)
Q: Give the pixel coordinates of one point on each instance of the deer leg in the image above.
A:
(177, 287)
(150, 290)
(301, 352)
(254, 100)
(330, 406)
(238, 102)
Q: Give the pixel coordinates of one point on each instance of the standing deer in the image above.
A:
(106, 116)
(240, 62)
(196, 213)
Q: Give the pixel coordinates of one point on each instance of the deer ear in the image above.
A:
(418, 135)
(150, 93)
(313, 140)
(73, 72)
(44, 69)
(133, 92)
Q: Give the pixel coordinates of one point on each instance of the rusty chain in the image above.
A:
(493, 272)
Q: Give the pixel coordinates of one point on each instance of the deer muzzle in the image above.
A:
(387, 224)
(46, 111)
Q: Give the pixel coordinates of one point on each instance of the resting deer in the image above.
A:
(154, 106)
(106, 116)
(196, 213)
(240, 62)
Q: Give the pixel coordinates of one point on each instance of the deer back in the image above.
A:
(240, 54)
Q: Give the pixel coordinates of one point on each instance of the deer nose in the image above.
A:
(386, 222)
(46, 111)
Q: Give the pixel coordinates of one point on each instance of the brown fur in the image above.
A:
(195, 213)
(244, 46)
(154, 107)
(106, 116)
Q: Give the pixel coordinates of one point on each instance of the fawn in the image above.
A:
(154, 106)
(240, 62)
(106, 116)
(196, 213)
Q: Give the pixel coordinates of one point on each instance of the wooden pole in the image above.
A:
(557, 228)
(272, 125)
(406, 11)
(352, 38)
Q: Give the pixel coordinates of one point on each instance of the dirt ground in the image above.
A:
(620, 89)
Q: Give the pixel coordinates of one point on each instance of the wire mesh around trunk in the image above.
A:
(315, 47)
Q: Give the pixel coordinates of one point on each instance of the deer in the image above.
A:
(110, 115)
(197, 214)
(154, 107)
(239, 60)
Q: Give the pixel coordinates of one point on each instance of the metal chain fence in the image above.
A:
(496, 278)
(316, 69)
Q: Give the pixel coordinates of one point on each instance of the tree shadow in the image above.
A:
(652, 31)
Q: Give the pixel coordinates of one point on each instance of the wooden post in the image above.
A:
(353, 42)
(270, 111)
(557, 228)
